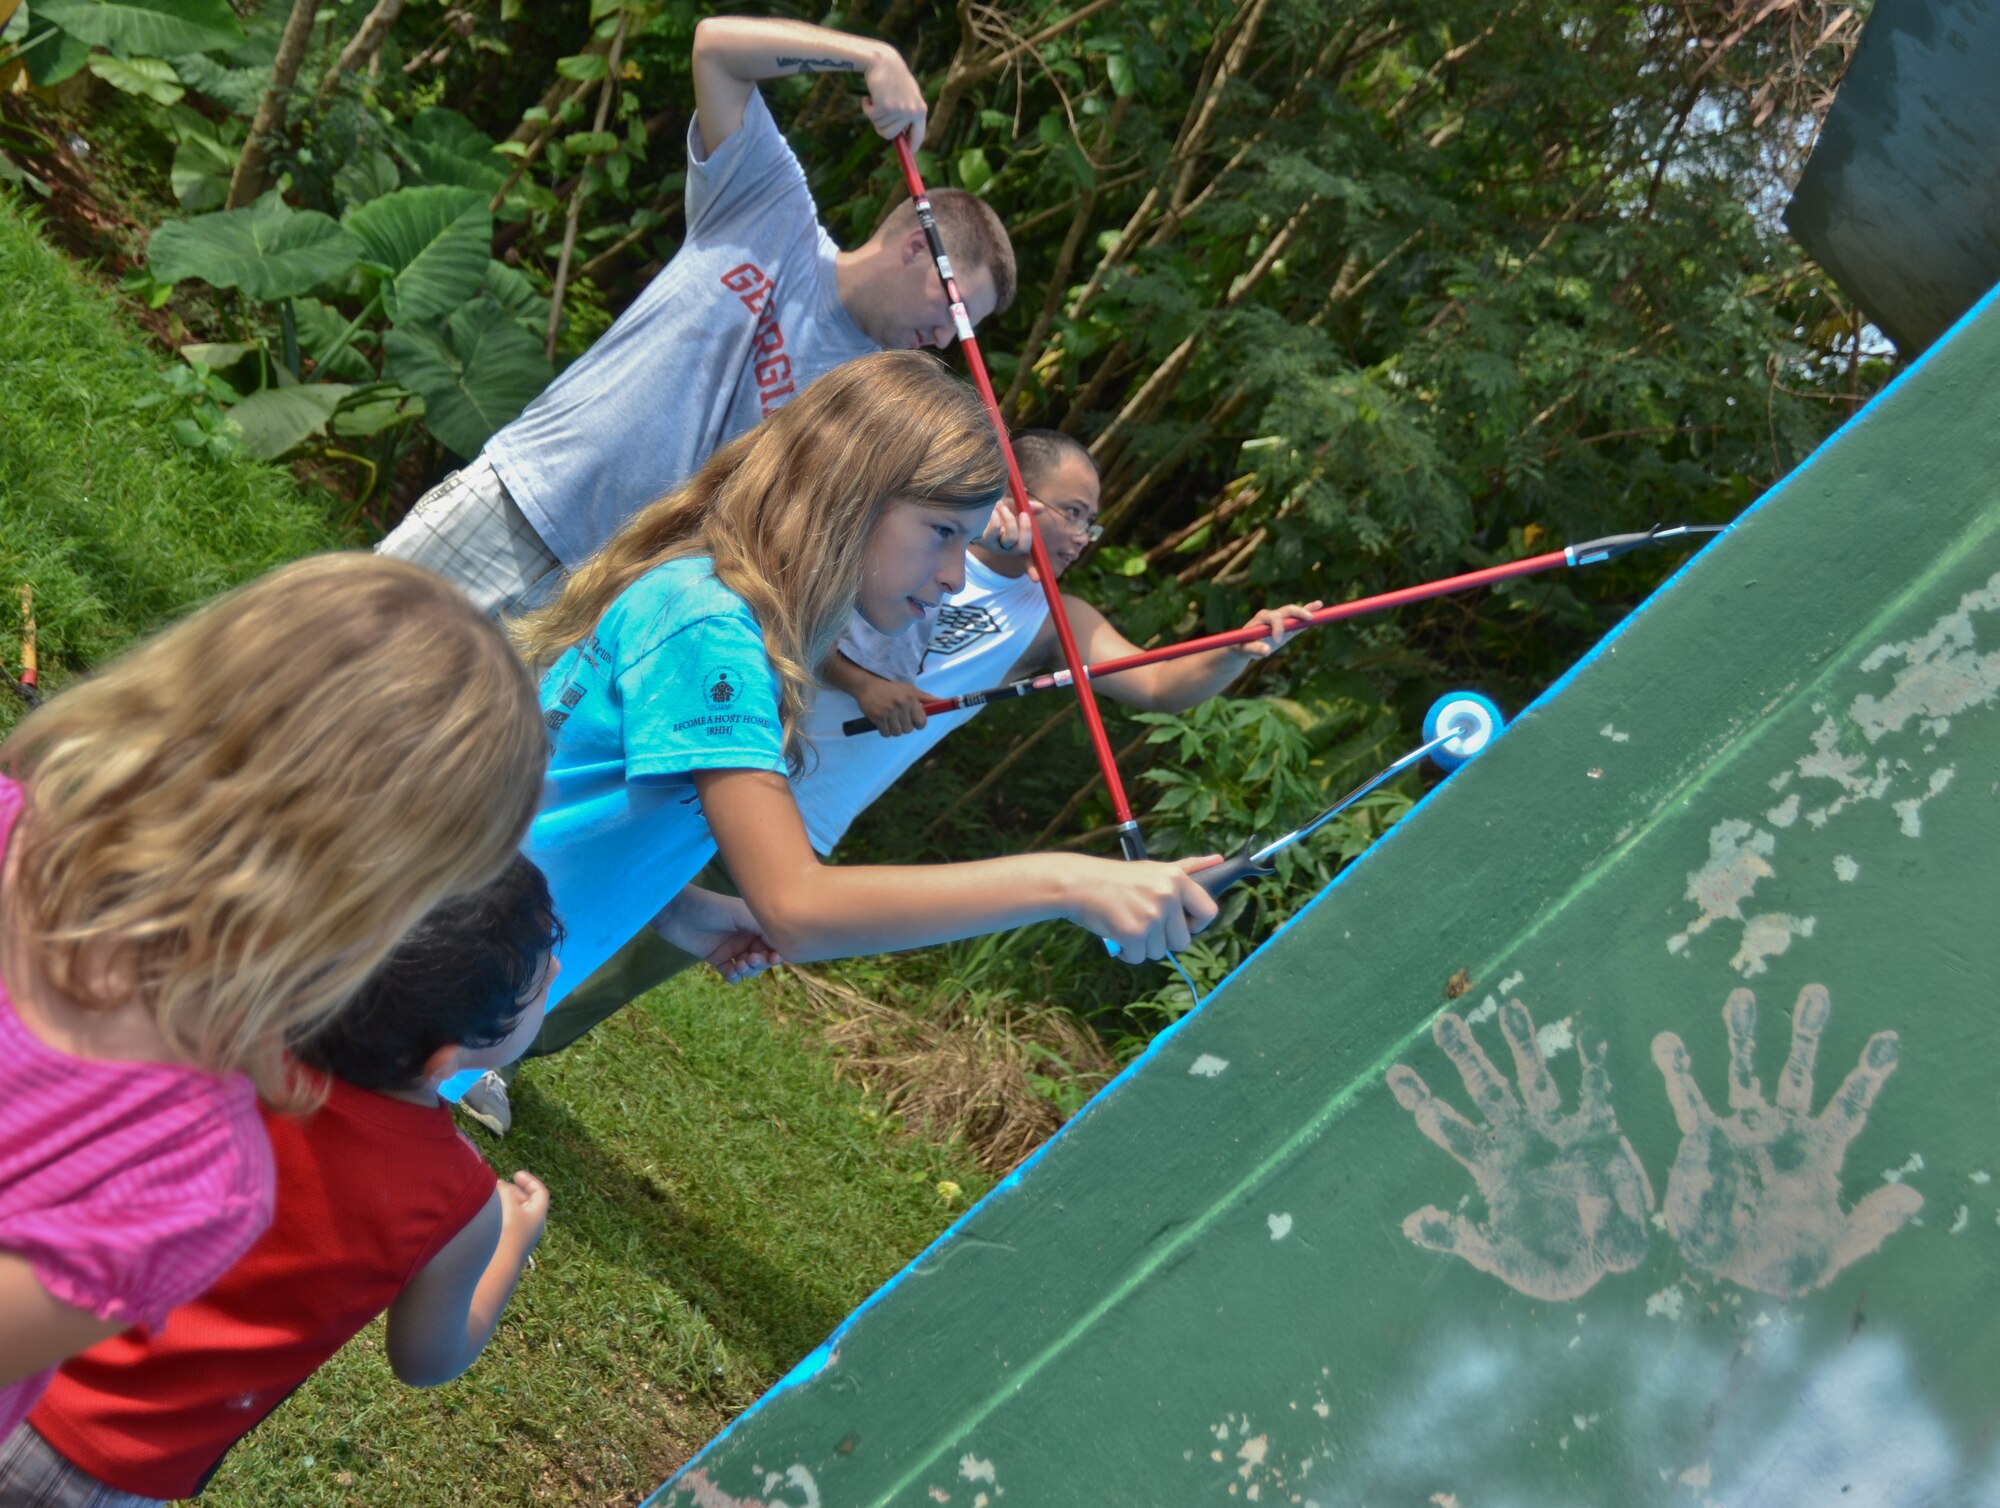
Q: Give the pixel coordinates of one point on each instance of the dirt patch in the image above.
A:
(998, 1082)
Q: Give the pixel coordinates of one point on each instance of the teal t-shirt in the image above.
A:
(673, 680)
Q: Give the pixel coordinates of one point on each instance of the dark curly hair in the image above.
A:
(457, 978)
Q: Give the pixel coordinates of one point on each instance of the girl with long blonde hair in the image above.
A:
(679, 662)
(205, 849)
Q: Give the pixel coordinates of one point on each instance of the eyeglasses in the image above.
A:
(1079, 520)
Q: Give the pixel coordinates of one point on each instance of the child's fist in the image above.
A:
(524, 1210)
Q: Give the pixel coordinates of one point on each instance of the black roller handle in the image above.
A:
(1219, 877)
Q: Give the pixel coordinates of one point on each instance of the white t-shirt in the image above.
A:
(978, 638)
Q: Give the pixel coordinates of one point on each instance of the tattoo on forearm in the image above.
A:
(818, 65)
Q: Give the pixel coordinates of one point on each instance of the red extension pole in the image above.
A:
(1359, 607)
(1591, 553)
(1129, 839)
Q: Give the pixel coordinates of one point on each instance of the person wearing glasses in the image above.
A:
(996, 630)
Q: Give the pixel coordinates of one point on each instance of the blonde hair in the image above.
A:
(785, 512)
(239, 818)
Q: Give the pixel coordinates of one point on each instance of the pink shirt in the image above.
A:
(127, 1187)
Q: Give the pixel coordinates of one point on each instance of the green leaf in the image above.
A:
(374, 414)
(1123, 83)
(200, 173)
(268, 250)
(320, 325)
(516, 292)
(444, 147)
(367, 176)
(239, 89)
(280, 419)
(974, 172)
(238, 366)
(432, 244)
(55, 56)
(146, 26)
(584, 66)
(12, 172)
(189, 433)
(475, 375)
(150, 78)
(591, 143)
(217, 355)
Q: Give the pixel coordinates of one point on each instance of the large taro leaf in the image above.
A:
(152, 78)
(150, 27)
(239, 89)
(474, 374)
(515, 292)
(369, 174)
(54, 54)
(431, 245)
(278, 419)
(444, 147)
(268, 250)
(200, 173)
(320, 325)
(374, 408)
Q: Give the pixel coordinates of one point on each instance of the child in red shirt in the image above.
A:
(381, 1204)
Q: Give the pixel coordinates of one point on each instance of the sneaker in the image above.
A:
(486, 1103)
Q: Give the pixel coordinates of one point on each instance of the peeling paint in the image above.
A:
(1915, 1164)
(1910, 813)
(1668, 1302)
(1738, 857)
(1942, 671)
(972, 1469)
(1765, 937)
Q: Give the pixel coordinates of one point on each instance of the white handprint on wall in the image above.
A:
(1567, 1199)
(1755, 1196)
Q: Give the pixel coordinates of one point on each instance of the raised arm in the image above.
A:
(732, 53)
(1174, 685)
(810, 910)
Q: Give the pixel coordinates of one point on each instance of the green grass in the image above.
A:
(118, 527)
(718, 1203)
(719, 1200)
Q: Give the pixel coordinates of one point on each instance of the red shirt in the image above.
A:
(370, 1189)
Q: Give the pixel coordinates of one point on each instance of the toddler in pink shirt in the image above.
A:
(204, 850)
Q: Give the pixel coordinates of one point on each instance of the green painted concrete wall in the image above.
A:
(1690, 1199)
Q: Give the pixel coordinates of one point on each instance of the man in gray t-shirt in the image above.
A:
(757, 304)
